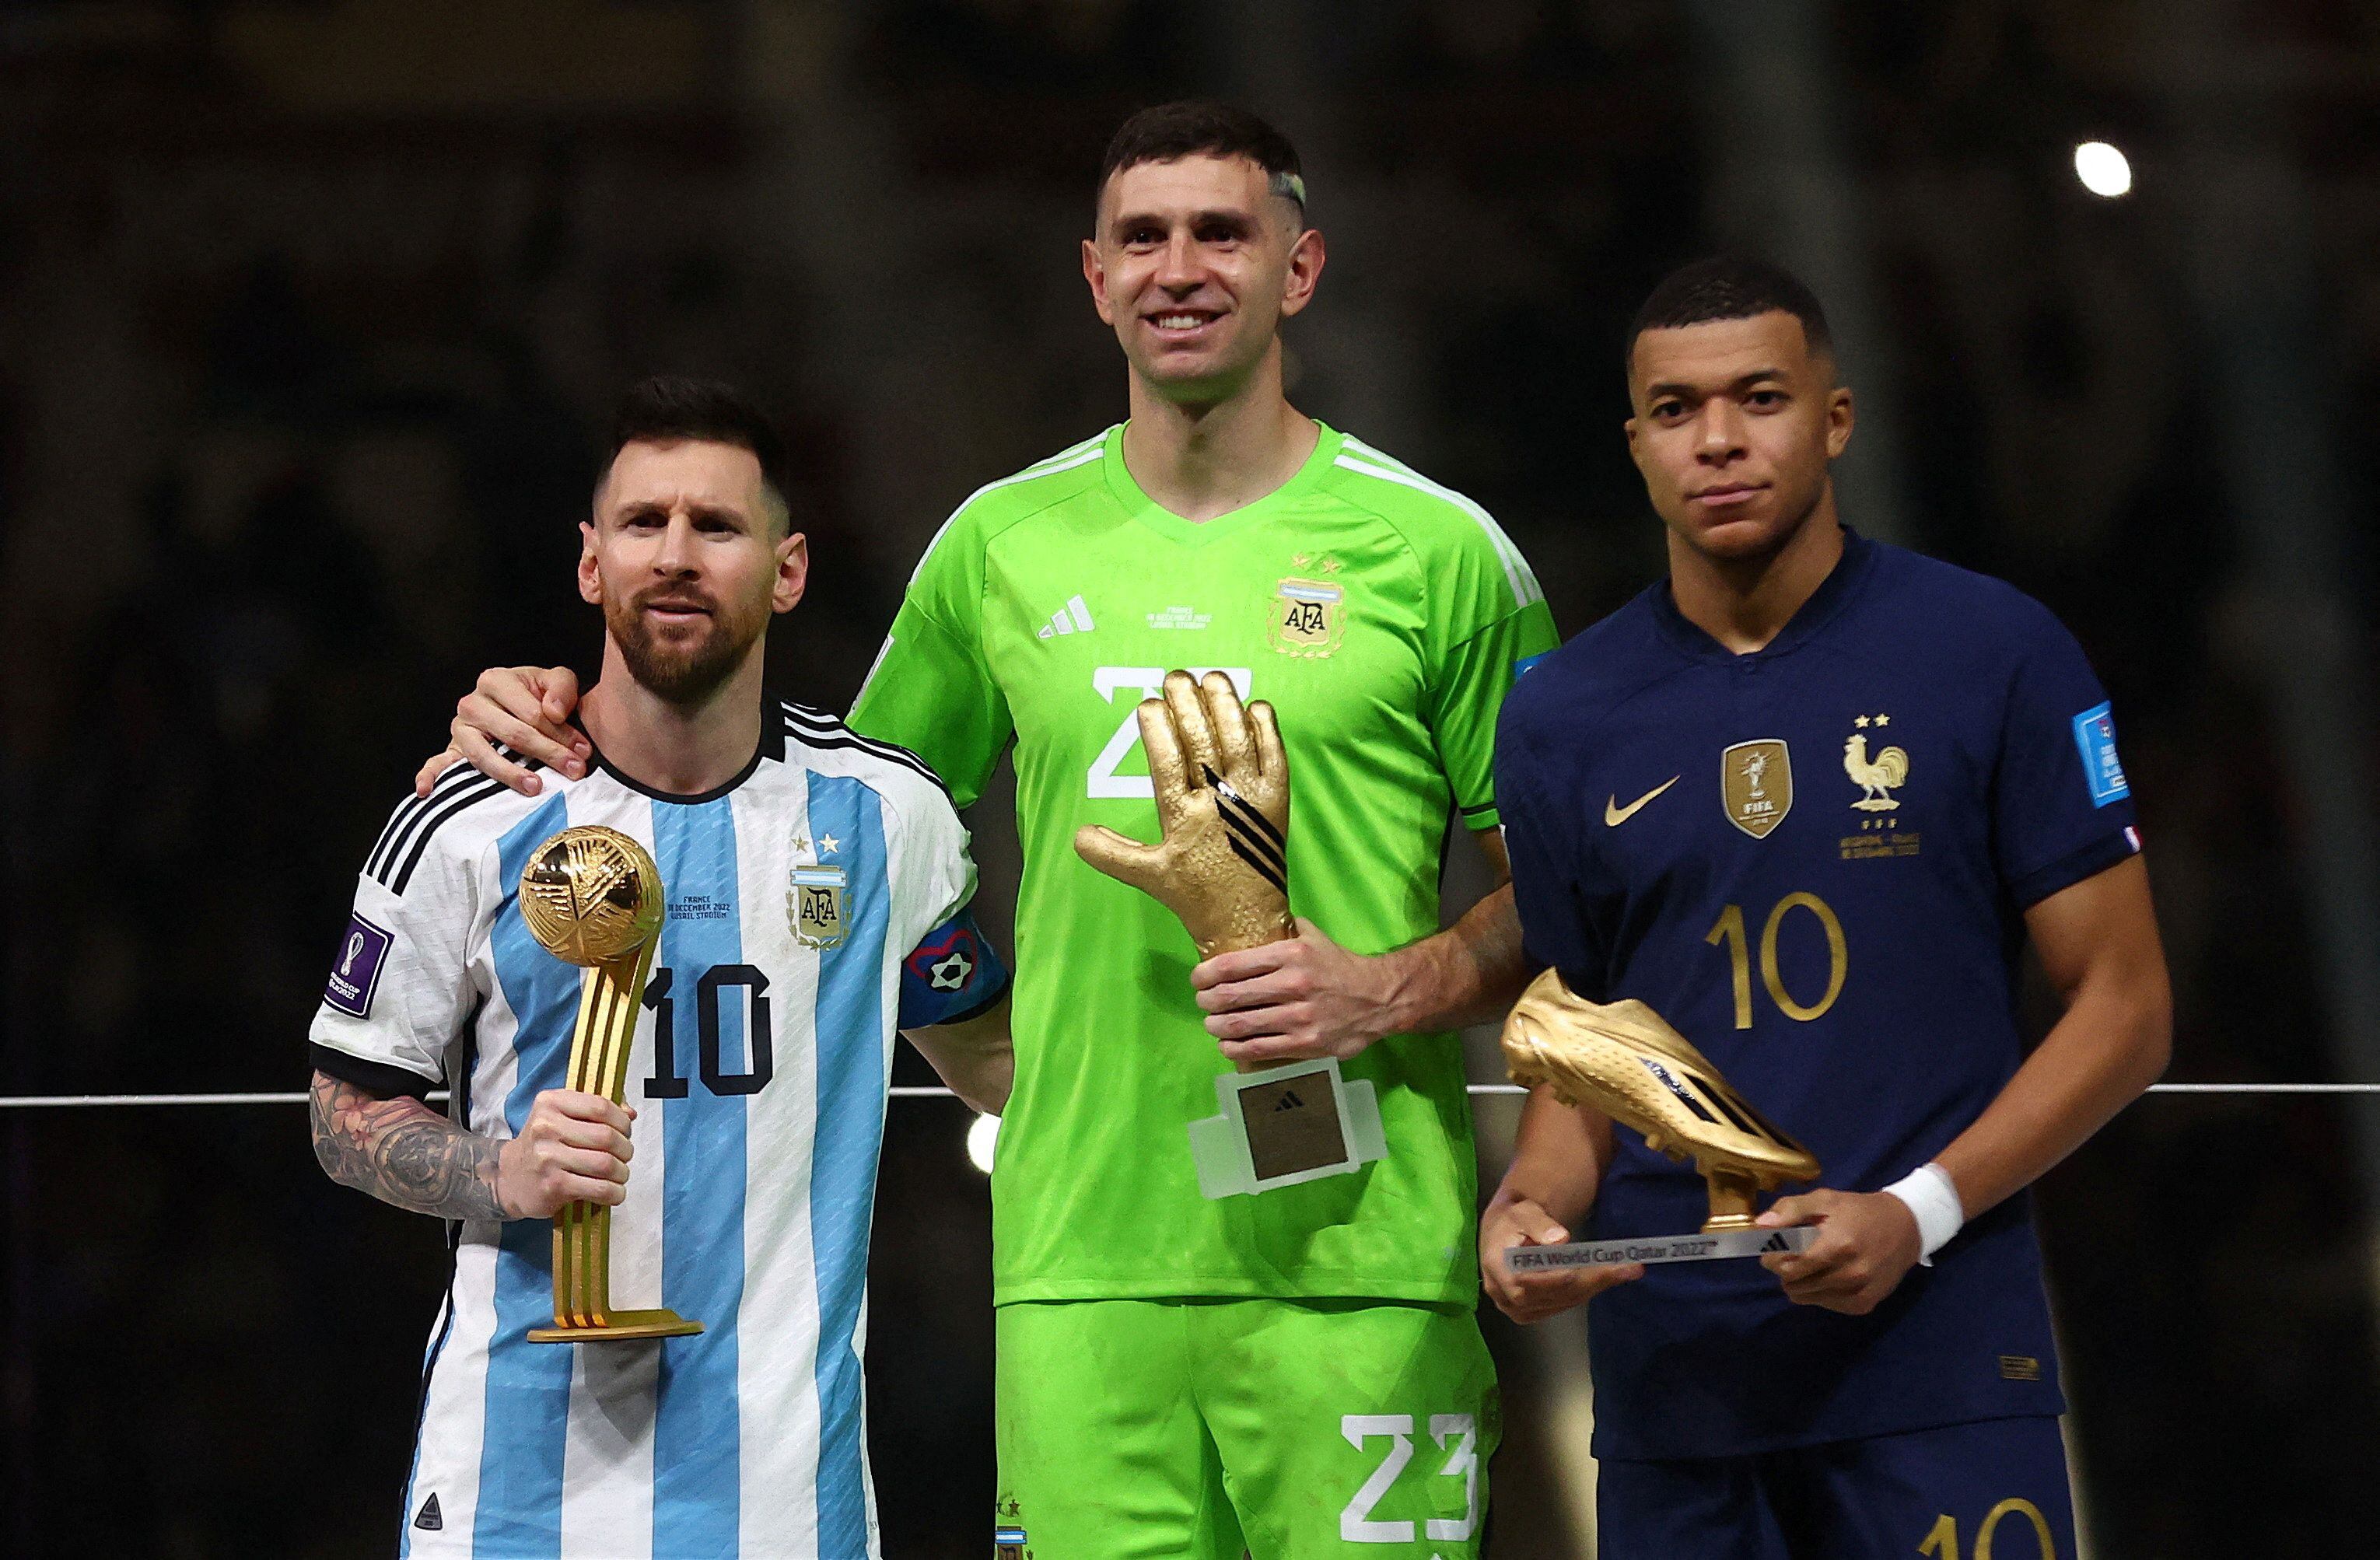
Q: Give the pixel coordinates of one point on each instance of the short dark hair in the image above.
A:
(1201, 127)
(667, 407)
(1730, 288)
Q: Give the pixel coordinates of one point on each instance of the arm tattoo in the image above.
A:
(403, 1152)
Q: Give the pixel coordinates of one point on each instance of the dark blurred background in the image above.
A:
(310, 311)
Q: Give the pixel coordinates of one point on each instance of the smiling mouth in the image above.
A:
(1182, 319)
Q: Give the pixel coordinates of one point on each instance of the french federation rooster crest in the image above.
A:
(1874, 776)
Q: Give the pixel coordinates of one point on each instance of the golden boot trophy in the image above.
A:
(593, 897)
(1221, 783)
(1625, 1060)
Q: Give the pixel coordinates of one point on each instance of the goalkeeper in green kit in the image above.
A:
(1180, 1375)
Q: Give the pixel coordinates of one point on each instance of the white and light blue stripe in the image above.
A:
(851, 1082)
(748, 1207)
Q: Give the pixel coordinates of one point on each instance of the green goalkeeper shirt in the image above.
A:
(1384, 616)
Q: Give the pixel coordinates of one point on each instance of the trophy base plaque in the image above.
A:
(1283, 1125)
(1709, 1246)
(619, 1326)
(1729, 1232)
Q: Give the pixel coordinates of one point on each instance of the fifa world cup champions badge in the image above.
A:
(1625, 1060)
(593, 898)
(1221, 782)
(1756, 782)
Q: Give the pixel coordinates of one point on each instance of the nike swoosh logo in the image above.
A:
(1614, 815)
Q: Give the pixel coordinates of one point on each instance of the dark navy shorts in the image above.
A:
(1993, 1490)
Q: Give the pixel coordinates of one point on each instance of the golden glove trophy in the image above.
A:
(593, 897)
(1625, 1060)
(1221, 783)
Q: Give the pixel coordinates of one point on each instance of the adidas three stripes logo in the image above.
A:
(1074, 617)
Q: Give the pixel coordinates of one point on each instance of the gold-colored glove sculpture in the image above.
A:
(1222, 801)
(1625, 1060)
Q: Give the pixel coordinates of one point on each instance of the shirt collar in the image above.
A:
(1842, 583)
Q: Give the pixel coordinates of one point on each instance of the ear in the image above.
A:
(1305, 257)
(591, 578)
(1839, 422)
(1639, 450)
(792, 572)
(1097, 275)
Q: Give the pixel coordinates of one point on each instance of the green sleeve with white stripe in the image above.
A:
(1474, 677)
(1489, 618)
(931, 690)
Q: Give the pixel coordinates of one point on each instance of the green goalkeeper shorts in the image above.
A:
(1197, 1430)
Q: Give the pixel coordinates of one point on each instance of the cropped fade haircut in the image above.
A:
(666, 409)
(1201, 127)
(1730, 288)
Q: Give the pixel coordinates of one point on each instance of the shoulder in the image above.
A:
(464, 813)
(1599, 671)
(997, 505)
(1913, 579)
(823, 743)
(1445, 528)
(1992, 617)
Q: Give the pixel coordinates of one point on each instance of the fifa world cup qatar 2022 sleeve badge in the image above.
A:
(1221, 783)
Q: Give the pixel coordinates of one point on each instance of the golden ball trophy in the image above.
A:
(1220, 779)
(1625, 1060)
(593, 898)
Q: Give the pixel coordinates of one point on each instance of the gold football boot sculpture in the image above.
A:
(593, 897)
(1625, 1060)
(1222, 801)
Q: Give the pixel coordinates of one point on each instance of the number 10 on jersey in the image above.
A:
(1728, 931)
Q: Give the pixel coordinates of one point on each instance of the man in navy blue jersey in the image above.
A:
(1807, 798)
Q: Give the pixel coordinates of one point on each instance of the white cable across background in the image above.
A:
(923, 1092)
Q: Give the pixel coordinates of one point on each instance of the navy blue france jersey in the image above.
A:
(1813, 861)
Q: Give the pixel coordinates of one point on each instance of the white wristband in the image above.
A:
(1933, 1201)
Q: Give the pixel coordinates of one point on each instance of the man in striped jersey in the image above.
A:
(743, 1173)
(1180, 1375)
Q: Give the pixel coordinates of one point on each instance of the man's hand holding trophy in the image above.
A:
(1221, 778)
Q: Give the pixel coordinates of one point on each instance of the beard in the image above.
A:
(687, 665)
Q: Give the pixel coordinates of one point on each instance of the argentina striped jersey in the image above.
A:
(759, 1075)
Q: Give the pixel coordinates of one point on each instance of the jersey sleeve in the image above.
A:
(951, 971)
(1493, 624)
(931, 690)
(400, 986)
(1555, 928)
(2061, 807)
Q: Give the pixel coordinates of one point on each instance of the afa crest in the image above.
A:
(1008, 1536)
(1755, 785)
(1307, 617)
(814, 905)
